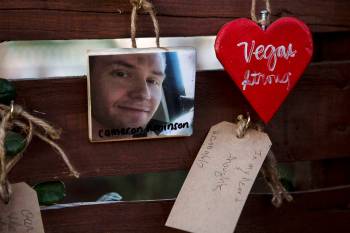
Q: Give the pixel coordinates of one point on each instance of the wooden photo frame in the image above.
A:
(140, 93)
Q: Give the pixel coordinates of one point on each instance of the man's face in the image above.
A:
(126, 89)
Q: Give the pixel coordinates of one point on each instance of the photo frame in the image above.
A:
(140, 93)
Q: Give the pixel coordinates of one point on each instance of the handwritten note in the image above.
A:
(217, 186)
(22, 214)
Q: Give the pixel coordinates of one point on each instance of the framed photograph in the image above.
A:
(140, 93)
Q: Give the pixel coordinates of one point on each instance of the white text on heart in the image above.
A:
(268, 52)
(257, 78)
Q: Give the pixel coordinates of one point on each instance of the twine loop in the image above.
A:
(147, 7)
(243, 125)
(269, 167)
(253, 10)
(15, 116)
(138, 3)
(12, 109)
(5, 191)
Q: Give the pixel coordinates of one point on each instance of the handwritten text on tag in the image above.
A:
(22, 214)
(217, 186)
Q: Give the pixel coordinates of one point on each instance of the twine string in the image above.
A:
(269, 167)
(243, 125)
(270, 174)
(147, 7)
(30, 125)
(5, 190)
(253, 10)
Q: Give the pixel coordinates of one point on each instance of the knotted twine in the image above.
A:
(15, 116)
(269, 167)
(147, 7)
(253, 10)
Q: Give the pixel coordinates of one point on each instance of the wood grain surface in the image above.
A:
(321, 211)
(312, 124)
(83, 19)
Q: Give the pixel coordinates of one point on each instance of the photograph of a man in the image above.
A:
(125, 92)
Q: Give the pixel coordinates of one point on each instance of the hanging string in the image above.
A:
(253, 10)
(269, 167)
(270, 174)
(147, 7)
(242, 125)
(30, 125)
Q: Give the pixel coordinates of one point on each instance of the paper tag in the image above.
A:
(217, 186)
(22, 214)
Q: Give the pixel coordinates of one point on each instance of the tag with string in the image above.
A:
(19, 206)
(22, 213)
(219, 181)
(15, 117)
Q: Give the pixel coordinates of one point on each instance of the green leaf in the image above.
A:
(51, 192)
(7, 91)
(14, 143)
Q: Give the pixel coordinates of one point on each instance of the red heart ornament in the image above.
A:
(265, 65)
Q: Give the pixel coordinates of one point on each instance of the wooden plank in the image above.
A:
(330, 172)
(321, 211)
(64, 19)
(313, 124)
(313, 115)
(331, 46)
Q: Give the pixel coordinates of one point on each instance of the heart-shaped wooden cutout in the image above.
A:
(265, 65)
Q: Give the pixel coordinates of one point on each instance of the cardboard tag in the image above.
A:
(217, 186)
(22, 214)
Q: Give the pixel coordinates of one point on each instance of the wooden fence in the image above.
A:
(312, 125)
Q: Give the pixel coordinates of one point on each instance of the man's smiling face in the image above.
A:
(126, 89)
